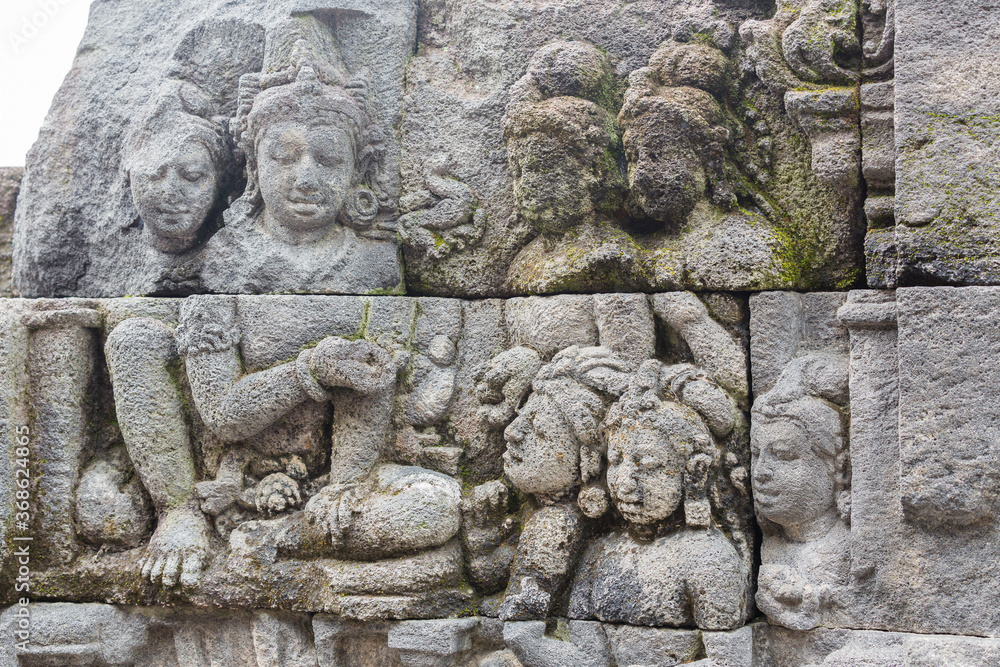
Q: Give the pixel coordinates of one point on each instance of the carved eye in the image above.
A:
(192, 176)
(330, 159)
(786, 454)
(284, 157)
(649, 463)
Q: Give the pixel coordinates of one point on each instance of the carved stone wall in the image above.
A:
(502, 334)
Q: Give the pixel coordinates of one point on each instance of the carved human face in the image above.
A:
(542, 453)
(644, 474)
(304, 174)
(551, 185)
(174, 186)
(793, 485)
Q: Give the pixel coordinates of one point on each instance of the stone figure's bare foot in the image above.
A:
(318, 529)
(276, 493)
(178, 549)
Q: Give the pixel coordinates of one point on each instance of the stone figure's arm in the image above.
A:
(236, 407)
(488, 535)
(718, 588)
(550, 545)
(713, 348)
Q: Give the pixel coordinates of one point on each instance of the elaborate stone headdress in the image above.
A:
(308, 95)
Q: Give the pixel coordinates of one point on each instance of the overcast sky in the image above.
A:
(38, 39)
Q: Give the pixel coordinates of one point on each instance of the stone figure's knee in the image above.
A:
(140, 340)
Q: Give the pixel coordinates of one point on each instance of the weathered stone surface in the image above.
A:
(342, 454)
(125, 193)
(778, 647)
(945, 141)
(10, 186)
(909, 497)
(681, 192)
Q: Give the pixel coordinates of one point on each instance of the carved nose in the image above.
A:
(513, 433)
(172, 191)
(306, 179)
(761, 471)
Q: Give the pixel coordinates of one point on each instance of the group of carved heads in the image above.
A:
(581, 153)
(297, 159)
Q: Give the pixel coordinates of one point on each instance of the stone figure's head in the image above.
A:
(660, 454)
(553, 444)
(801, 465)
(562, 144)
(308, 152)
(178, 162)
(674, 133)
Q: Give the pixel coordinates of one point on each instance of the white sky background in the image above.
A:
(38, 39)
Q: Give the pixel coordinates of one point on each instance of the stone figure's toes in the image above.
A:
(191, 570)
(171, 571)
(157, 570)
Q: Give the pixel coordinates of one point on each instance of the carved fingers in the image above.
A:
(354, 364)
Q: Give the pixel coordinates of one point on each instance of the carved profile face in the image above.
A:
(561, 155)
(793, 482)
(551, 185)
(645, 474)
(174, 187)
(305, 174)
(543, 455)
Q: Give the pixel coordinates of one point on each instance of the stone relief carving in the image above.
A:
(309, 218)
(301, 191)
(661, 177)
(548, 453)
(325, 450)
(801, 479)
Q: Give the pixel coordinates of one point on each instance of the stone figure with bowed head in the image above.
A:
(179, 160)
(554, 449)
(307, 221)
(682, 560)
(144, 357)
(564, 153)
(801, 482)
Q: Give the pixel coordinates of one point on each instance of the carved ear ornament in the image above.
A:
(360, 208)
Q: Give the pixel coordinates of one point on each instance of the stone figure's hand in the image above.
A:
(787, 598)
(486, 506)
(524, 601)
(276, 493)
(178, 549)
(355, 364)
(505, 383)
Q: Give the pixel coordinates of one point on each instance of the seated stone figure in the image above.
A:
(177, 161)
(801, 481)
(306, 222)
(564, 155)
(666, 569)
(273, 412)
